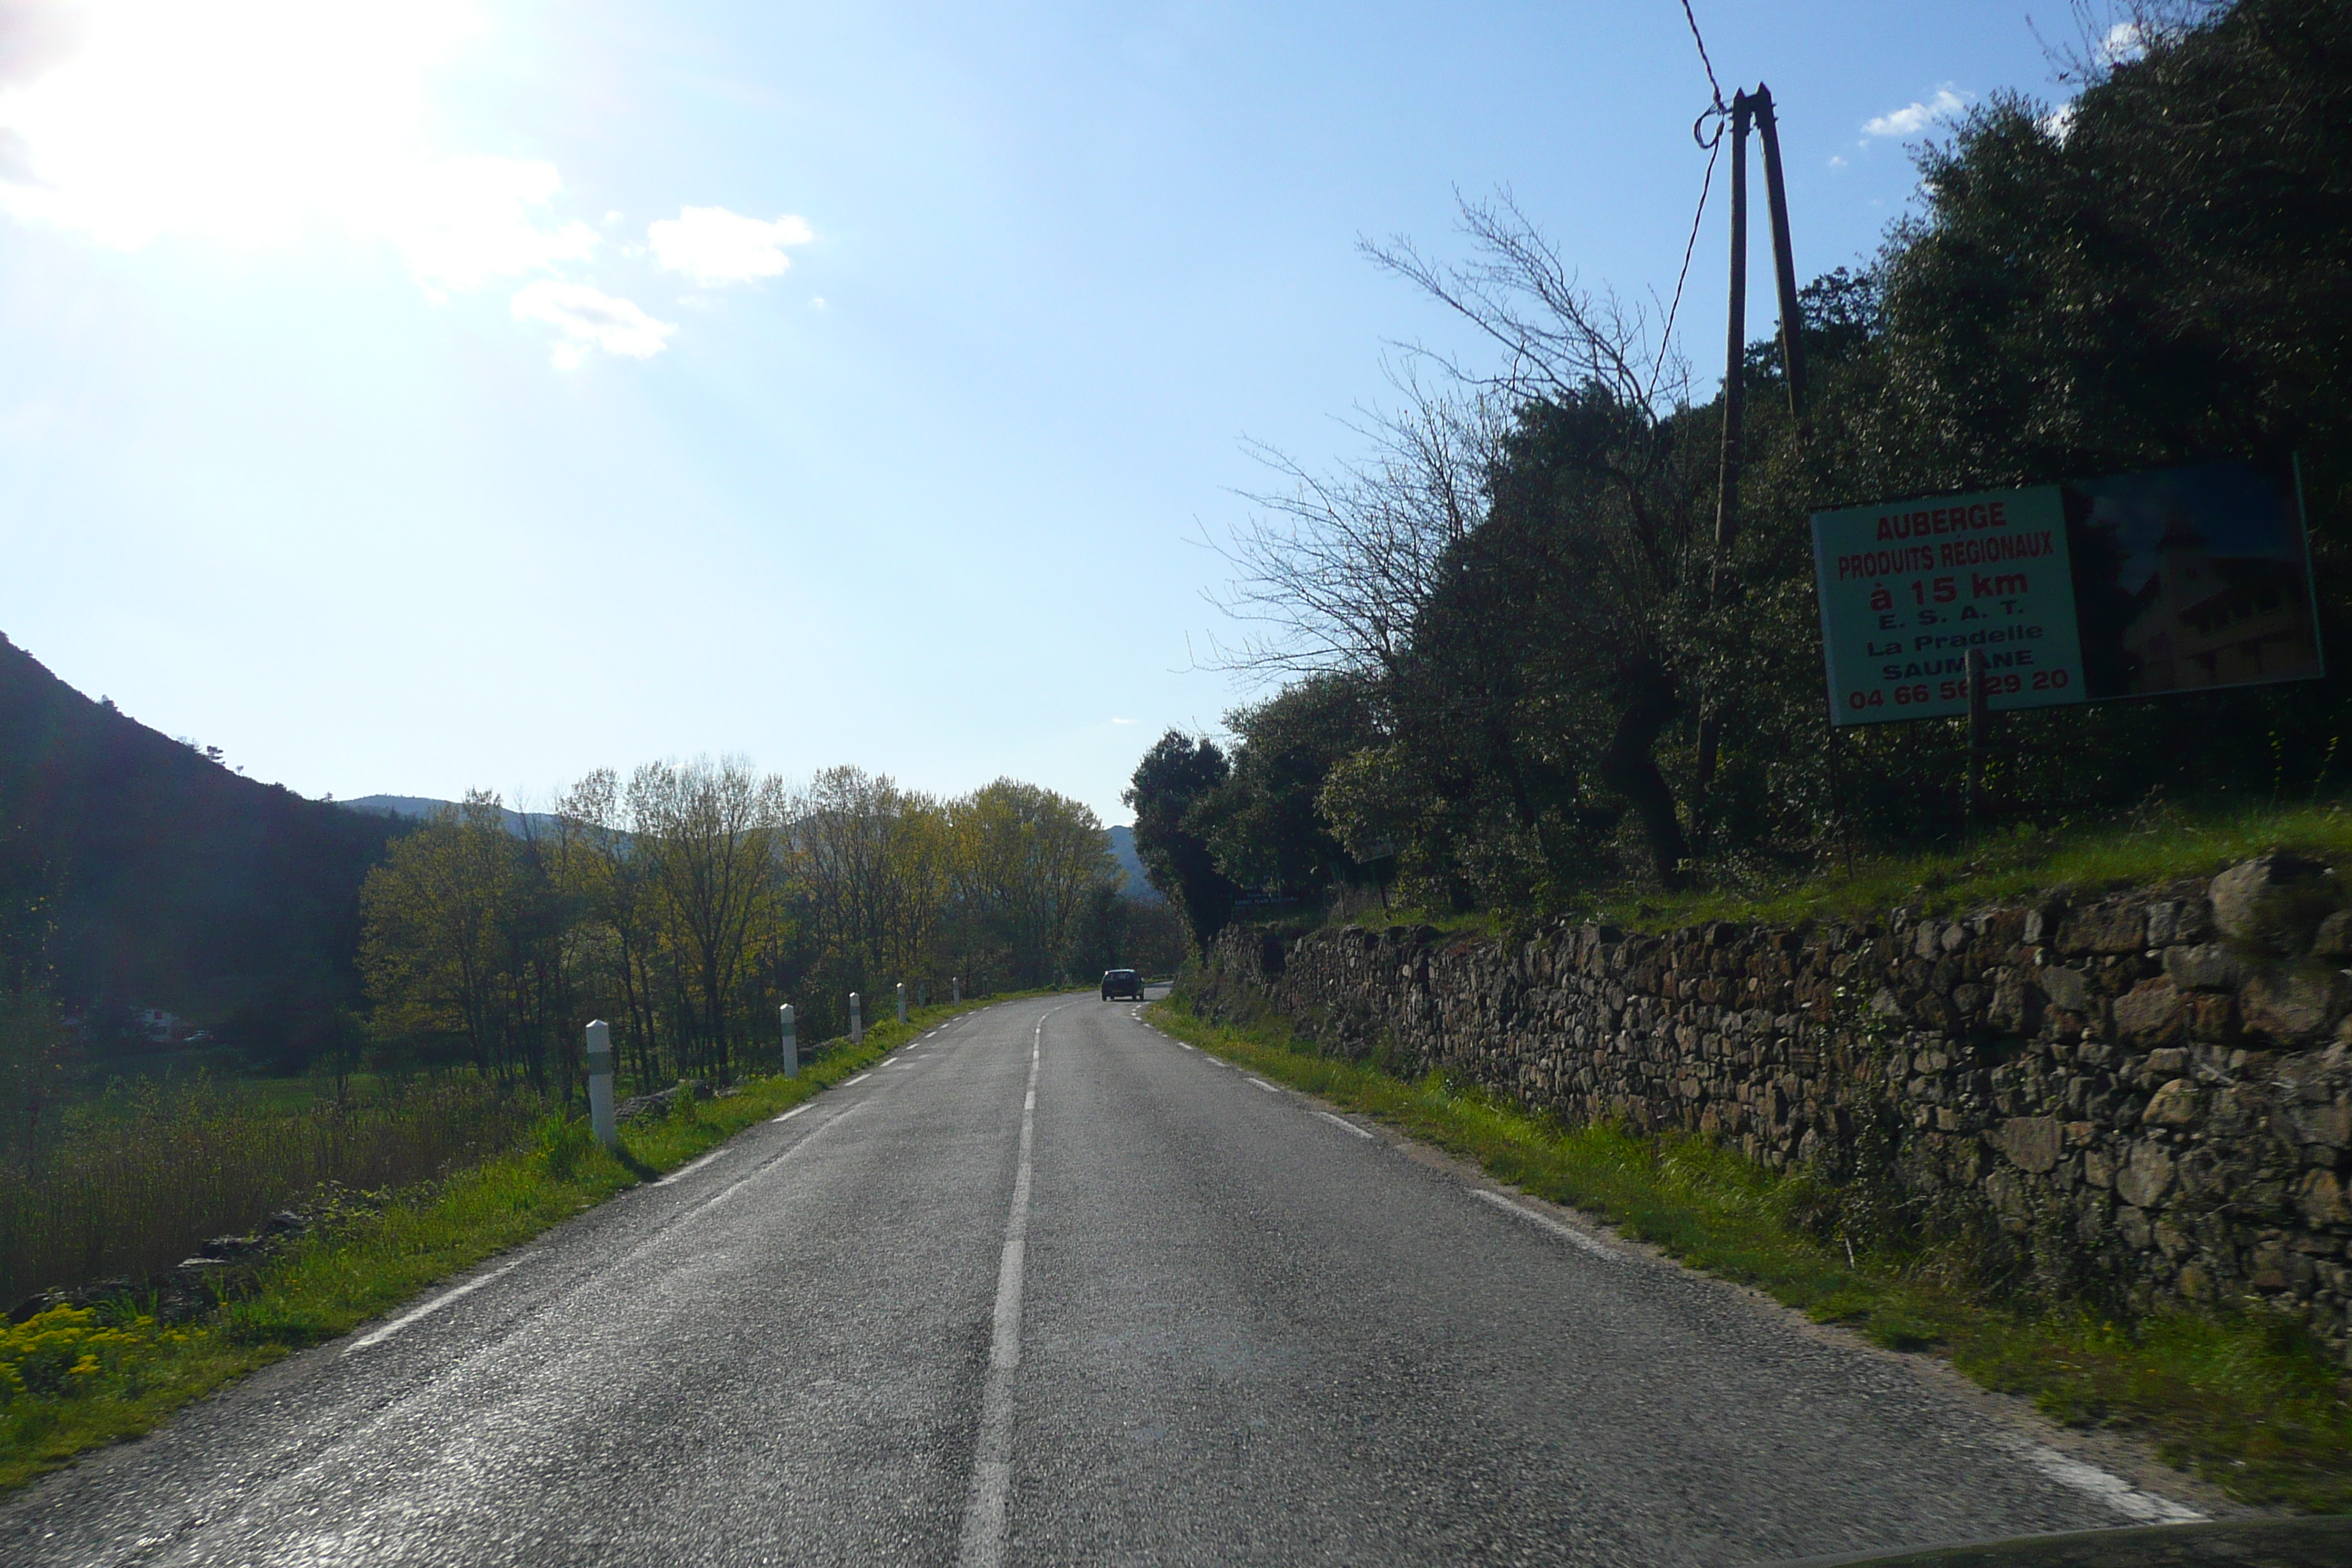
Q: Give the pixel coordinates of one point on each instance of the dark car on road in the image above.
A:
(1118, 983)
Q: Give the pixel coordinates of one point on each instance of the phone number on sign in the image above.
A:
(1921, 692)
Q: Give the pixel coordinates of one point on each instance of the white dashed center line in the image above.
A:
(984, 1517)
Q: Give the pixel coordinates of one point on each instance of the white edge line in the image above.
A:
(1567, 1233)
(795, 1111)
(435, 1305)
(692, 1165)
(1263, 1084)
(861, 1077)
(2112, 1489)
(1342, 1121)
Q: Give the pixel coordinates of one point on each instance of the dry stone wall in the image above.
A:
(2151, 1093)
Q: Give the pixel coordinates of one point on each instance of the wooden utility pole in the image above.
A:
(1749, 110)
(1784, 265)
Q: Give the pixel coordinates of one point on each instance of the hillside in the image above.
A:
(160, 879)
(1133, 883)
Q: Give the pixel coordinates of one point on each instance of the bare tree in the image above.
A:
(1332, 570)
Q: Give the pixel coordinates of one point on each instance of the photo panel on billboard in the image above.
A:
(2191, 580)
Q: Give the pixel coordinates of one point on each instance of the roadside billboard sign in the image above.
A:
(2185, 579)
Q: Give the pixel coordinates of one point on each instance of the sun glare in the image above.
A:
(257, 121)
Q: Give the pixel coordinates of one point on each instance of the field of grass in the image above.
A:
(71, 1381)
(132, 1181)
(2156, 846)
(2247, 1402)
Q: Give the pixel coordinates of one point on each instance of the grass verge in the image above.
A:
(2246, 1401)
(74, 1380)
(2153, 846)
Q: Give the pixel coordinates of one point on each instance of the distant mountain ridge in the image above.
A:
(418, 807)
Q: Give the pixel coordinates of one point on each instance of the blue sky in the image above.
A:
(413, 396)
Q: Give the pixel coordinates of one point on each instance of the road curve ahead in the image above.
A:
(1049, 1288)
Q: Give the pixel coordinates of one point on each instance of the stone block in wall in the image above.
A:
(2333, 938)
(2031, 1142)
(2294, 1007)
(2272, 900)
(2103, 928)
(2066, 988)
(2204, 967)
(2177, 1104)
(2015, 1007)
(2321, 1126)
(2322, 1199)
(2152, 1013)
(2146, 1175)
(2172, 921)
(2212, 1016)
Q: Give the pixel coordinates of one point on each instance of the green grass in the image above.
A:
(2158, 846)
(2155, 847)
(2248, 1401)
(351, 1271)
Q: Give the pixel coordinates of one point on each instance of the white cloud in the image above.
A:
(1914, 118)
(463, 221)
(713, 246)
(2059, 120)
(268, 122)
(1122, 720)
(1837, 161)
(2125, 42)
(590, 319)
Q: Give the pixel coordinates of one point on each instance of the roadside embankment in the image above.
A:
(2141, 1098)
(88, 1372)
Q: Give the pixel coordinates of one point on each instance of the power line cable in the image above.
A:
(1666, 338)
(1717, 112)
(1713, 85)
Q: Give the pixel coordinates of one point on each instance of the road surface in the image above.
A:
(1049, 1288)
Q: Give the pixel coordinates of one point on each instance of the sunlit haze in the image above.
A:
(413, 396)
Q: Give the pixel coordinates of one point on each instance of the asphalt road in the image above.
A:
(1049, 1288)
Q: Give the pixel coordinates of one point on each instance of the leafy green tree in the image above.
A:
(1174, 775)
(437, 944)
(1263, 825)
(1030, 864)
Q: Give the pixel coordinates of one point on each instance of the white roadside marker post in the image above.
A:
(600, 1085)
(957, 981)
(856, 1024)
(902, 1001)
(791, 1042)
